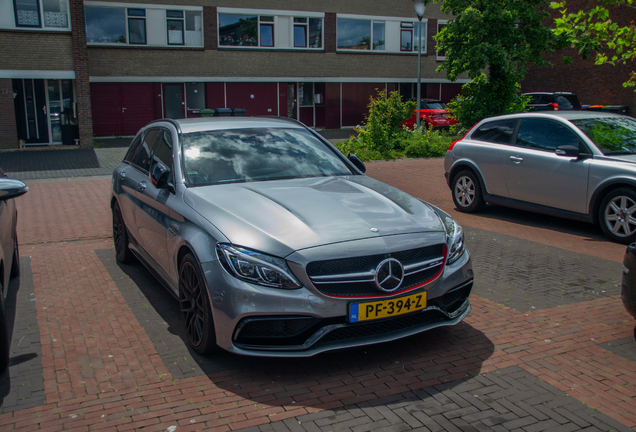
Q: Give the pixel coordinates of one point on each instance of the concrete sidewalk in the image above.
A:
(98, 346)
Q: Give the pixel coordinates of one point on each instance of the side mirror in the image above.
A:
(567, 151)
(10, 188)
(355, 160)
(159, 176)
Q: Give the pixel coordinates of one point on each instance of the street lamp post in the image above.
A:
(420, 8)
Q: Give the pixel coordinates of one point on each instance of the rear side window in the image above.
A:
(545, 135)
(141, 155)
(563, 103)
(163, 151)
(497, 132)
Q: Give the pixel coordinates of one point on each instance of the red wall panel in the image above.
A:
(355, 98)
(449, 91)
(256, 98)
(138, 99)
(307, 116)
(332, 106)
(214, 95)
(121, 109)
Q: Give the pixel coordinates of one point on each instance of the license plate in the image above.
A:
(387, 308)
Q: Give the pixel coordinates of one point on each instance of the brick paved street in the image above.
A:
(98, 346)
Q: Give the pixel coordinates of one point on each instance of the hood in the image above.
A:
(282, 216)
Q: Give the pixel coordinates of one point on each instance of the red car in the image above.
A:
(433, 114)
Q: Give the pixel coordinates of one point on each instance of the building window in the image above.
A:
(441, 54)
(406, 36)
(194, 24)
(238, 30)
(28, 13)
(174, 21)
(105, 25)
(306, 94)
(55, 13)
(361, 34)
(137, 26)
(266, 28)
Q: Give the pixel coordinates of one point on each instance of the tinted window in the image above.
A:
(545, 135)
(498, 132)
(563, 103)
(141, 155)
(133, 148)
(434, 105)
(241, 155)
(163, 150)
(612, 135)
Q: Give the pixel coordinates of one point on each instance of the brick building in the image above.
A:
(74, 69)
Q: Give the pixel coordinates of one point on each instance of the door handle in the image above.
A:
(123, 109)
(142, 186)
(516, 159)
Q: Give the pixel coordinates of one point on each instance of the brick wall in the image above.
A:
(82, 83)
(210, 33)
(330, 32)
(35, 51)
(593, 84)
(8, 129)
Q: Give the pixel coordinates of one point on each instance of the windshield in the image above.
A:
(612, 135)
(242, 155)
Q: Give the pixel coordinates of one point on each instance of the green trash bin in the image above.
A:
(206, 112)
(616, 109)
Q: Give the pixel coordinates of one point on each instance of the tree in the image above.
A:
(593, 31)
(492, 41)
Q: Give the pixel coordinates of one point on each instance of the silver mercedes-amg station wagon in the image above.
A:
(276, 244)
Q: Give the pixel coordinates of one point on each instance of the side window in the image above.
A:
(133, 148)
(141, 156)
(163, 151)
(563, 103)
(545, 135)
(497, 132)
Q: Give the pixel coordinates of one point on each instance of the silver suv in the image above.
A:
(576, 164)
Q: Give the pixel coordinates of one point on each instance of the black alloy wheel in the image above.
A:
(120, 237)
(15, 264)
(196, 315)
(467, 194)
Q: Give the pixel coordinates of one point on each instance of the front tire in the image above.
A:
(196, 315)
(617, 215)
(5, 343)
(467, 194)
(120, 237)
(15, 264)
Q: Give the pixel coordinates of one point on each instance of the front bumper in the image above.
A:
(260, 321)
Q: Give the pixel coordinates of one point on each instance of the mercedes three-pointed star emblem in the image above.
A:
(389, 275)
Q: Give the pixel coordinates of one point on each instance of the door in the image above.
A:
(173, 101)
(153, 211)
(31, 110)
(535, 174)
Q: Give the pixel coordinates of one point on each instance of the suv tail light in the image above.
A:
(555, 106)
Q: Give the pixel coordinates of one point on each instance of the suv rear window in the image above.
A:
(497, 132)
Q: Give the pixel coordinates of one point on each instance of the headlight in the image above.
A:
(455, 239)
(256, 267)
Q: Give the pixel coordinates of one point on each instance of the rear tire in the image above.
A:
(617, 215)
(196, 315)
(466, 191)
(5, 343)
(120, 237)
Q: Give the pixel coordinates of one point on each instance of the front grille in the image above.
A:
(334, 277)
(293, 332)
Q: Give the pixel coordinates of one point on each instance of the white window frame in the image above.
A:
(42, 26)
(151, 23)
(276, 23)
(390, 24)
(437, 55)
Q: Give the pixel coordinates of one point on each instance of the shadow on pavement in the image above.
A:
(445, 354)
